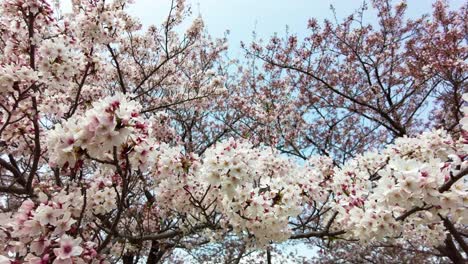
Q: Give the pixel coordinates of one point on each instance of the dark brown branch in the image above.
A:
(451, 228)
(451, 251)
(453, 180)
(16, 173)
(156, 252)
(319, 234)
(172, 104)
(324, 233)
(37, 146)
(412, 211)
(119, 70)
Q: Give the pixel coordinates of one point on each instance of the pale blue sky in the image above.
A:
(266, 17)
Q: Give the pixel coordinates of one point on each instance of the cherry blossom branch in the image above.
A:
(164, 235)
(120, 201)
(13, 190)
(325, 233)
(174, 103)
(319, 234)
(453, 180)
(412, 211)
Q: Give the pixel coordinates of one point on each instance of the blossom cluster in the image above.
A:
(256, 188)
(11, 75)
(174, 175)
(397, 192)
(58, 63)
(112, 122)
(100, 22)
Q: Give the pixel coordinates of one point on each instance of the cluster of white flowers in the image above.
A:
(256, 189)
(112, 122)
(196, 27)
(175, 180)
(100, 194)
(375, 191)
(101, 22)
(46, 228)
(9, 75)
(57, 61)
(396, 192)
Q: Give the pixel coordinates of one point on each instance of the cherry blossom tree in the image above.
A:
(126, 145)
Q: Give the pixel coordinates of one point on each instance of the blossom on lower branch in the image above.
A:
(42, 233)
(54, 226)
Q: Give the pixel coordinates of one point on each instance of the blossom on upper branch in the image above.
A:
(112, 122)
